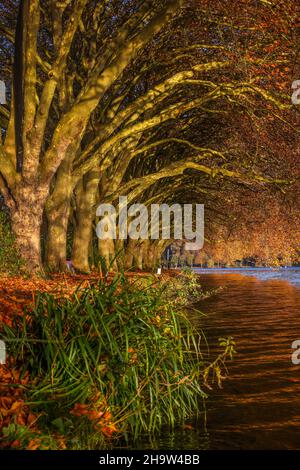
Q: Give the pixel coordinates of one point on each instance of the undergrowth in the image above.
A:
(10, 260)
(116, 359)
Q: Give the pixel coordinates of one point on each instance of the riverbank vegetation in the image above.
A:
(110, 360)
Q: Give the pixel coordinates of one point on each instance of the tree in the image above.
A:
(54, 102)
(113, 99)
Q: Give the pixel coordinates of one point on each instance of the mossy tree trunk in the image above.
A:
(58, 213)
(86, 195)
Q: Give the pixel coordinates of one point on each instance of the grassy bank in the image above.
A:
(112, 359)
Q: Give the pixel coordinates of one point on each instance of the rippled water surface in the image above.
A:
(292, 275)
(259, 405)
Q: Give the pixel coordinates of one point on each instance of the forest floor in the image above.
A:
(18, 292)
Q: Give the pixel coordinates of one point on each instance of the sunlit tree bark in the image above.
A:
(27, 171)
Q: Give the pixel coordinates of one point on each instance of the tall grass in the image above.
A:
(119, 348)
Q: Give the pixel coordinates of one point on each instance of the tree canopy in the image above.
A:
(169, 101)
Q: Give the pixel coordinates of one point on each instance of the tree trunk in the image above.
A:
(107, 251)
(81, 241)
(135, 247)
(86, 193)
(128, 258)
(138, 259)
(58, 212)
(134, 255)
(26, 219)
(26, 226)
(56, 244)
(150, 257)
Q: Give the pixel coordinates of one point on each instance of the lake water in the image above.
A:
(291, 275)
(259, 405)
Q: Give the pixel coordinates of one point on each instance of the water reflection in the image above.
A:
(259, 405)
